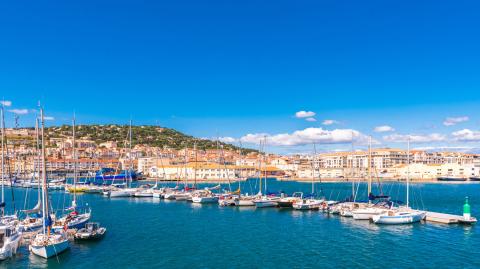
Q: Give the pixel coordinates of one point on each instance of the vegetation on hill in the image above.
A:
(141, 135)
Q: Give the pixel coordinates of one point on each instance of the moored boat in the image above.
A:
(266, 201)
(307, 204)
(404, 214)
(399, 216)
(47, 244)
(452, 179)
(92, 231)
(10, 240)
(287, 202)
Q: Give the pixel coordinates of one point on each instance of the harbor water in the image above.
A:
(152, 233)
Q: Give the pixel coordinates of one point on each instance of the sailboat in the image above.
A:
(362, 211)
(402, 215)
(159, 193)
(349, 203)
(236, 198)
(127, 191)
(74, 220)
(265, 200)
(145, 191)
(310, 203)
(47, 244)
(9, 236)
(206, 196)
(184, 194)
(33, 220)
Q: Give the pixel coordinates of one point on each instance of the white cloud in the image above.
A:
(384, 129)
(466, 135)
(227, 139)
(454, 121)
(311, 119)
(6, 103)
(48, 118)
(19, 111)
(308, 136)
(435, 137)
(305, 114)
(329, 122)
(254, 138)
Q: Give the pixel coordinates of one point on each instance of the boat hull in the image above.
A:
(399, 219)
(77, 223)
(31, 228)
(205, 200)
(265, 204)
(50, 251)
(285, 204)
(119, 194)
(242, 202)
(306, 206)
(143, 194)
(89, 236)
(10, 248)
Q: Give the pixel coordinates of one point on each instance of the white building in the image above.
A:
(432, 171)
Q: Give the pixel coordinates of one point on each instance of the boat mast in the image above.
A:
(130, 154)
(241, 173)
(45, 212)
(74, 152)
(37, 135)
(3, 154)
(369, 168)
(196, 163)
(185, 160)
(314, 167)
(219, 165)
(408, 171)
(265, 162)
(352, 172)
(260, 168)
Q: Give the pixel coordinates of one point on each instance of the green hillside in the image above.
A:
(145, 135)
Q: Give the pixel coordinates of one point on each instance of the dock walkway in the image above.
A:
(443, 218)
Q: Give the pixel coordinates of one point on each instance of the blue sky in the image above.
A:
(235, 68)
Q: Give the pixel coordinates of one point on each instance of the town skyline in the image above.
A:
(456, 134)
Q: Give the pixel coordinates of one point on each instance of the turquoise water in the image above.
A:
(149, 233)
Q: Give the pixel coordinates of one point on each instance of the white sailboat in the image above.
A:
(402, 215)
(310, 203)
(264, 200)
(236, 198)
(34, 223)
(206, 196)
(9, 236)
(127, 191)
(47, 244)
(366, 212)
(74, 220)
(145, 191)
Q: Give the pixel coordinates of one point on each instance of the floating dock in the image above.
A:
(443, 218)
